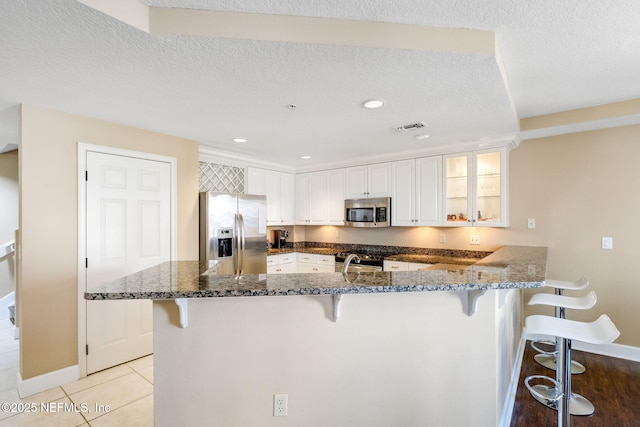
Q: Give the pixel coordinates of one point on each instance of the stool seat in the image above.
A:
(576, 285)
(600, 331)
(576, 303)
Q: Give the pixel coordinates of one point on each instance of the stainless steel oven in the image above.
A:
(375, 212)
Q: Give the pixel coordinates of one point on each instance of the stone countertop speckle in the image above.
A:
(431, 259)
(507, 268)
(317, 251)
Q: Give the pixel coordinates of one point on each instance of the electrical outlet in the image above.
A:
(280, 405)
(337, 234)
(607, 243)
(475, 239)
(531, 223)
(443, 238)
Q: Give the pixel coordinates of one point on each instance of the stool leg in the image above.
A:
(564, 416)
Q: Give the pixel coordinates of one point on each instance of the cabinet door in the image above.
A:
(302, 199)
(255, 181)
(317, 198)
(403, 194)
(356, 182)
(457, 188)
(394, 266)
(413, 266)
(287, 199)
(428, 191)
(490, 190)
(272, 189)
(379, 177)
(336, 183)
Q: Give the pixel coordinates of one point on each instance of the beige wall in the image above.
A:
(8, 217)
(49, 224)
(579, 188)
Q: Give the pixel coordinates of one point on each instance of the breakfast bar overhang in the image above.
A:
(430, 347)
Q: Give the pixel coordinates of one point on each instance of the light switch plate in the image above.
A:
(531, 223)
(607, 243)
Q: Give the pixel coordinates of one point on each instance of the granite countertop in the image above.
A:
(317, 251)
(507, 268)
(431, 259)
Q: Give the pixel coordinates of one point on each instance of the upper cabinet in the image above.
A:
(336, 185)
(279, 187)
(416, 198)
(476, 188)
(369, 181)
(320, 197)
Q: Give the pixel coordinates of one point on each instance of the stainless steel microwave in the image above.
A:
(374, 212)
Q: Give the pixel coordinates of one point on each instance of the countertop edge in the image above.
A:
(510, 267)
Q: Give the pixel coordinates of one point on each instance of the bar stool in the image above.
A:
(546, 358)
(601, 331)
(579, 404)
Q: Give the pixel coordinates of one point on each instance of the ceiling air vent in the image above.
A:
(412, 126)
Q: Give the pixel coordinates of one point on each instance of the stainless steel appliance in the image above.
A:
(280, 238)
(364, 262)
(233, 232)
(375, 212)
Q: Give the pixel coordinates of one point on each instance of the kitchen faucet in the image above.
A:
(347, 261)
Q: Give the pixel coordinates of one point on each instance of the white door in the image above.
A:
(128, 229)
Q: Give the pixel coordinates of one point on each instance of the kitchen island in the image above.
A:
(405, 351)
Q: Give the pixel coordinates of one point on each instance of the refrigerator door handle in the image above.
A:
(236, 247)
(241, 243)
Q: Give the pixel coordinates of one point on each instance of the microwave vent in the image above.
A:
(412, 126)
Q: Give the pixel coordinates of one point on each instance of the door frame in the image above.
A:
(83, 148)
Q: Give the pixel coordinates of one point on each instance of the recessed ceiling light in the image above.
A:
(239, 140)
(373, 103)
(305, 157)
(422, 136)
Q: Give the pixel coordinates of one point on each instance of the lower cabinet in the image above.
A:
(281, 264)
(299, 262)
(311, 263)
(402, 266)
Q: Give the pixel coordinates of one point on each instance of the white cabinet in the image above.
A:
(336, 184)
(311, 195)
(320, 197)
(369, 181)
(402, 266)
(312, 263)
(299, 262)
(279, 187)
(281, 264)
(475, 185)
(417, 192)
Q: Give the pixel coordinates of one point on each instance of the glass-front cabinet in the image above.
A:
(475, 189)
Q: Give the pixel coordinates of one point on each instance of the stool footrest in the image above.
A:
(545, 342)
(554, 394)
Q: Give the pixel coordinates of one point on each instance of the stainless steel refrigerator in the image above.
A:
(233, 232)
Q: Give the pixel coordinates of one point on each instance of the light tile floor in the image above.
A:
(120, 396)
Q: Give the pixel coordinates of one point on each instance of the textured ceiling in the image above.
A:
(553, 56)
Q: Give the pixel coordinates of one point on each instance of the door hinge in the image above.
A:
(86, 175)
(86, 349)
(86, 263)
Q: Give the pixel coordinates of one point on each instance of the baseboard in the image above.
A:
(46, 381)
(620, 351)
(5, 302)
(510, 399)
